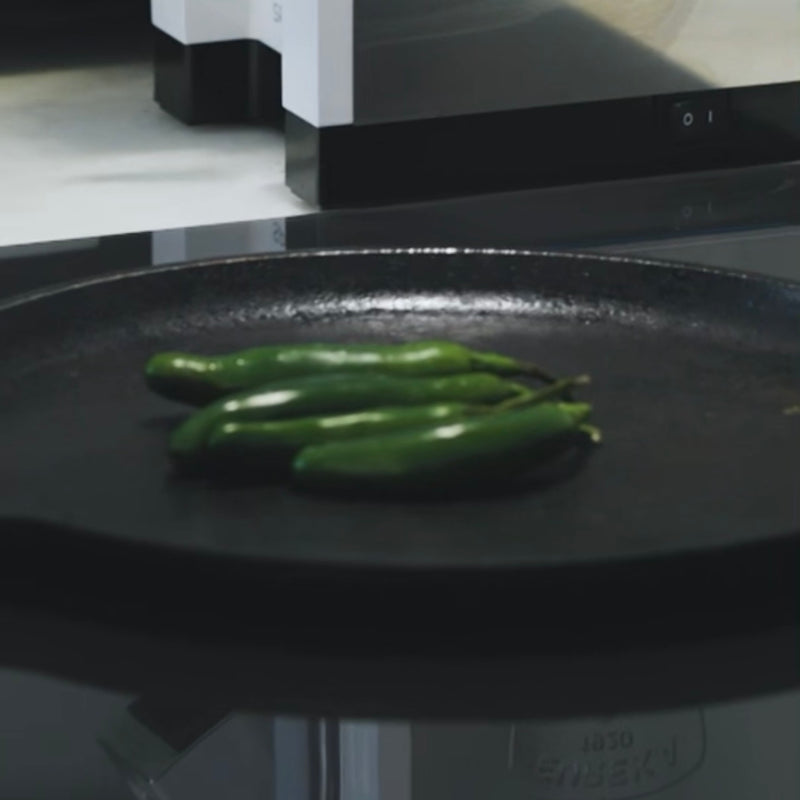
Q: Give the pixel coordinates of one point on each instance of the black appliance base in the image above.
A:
(501, 151)
(234, 81)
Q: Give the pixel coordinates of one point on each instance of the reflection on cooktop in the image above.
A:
(738, 751)
(63, 740)
(743, 219)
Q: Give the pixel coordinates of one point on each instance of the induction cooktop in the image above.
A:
(349, 712)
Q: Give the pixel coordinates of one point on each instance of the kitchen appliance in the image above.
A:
(218, 61)
(402, 99)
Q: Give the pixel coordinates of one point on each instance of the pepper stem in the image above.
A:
(593, 432)
(535, 371)
(556, 389)
(505, 365)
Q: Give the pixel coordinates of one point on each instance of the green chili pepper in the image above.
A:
(269, 447)
(198, 379)
(328, 394)
(462, 454)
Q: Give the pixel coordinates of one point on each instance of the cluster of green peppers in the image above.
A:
(418, 417)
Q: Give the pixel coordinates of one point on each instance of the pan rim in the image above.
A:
(68, 287)
(327, 567)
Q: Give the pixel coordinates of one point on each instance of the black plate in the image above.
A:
(693, 369)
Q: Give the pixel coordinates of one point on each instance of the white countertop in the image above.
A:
(86, 152)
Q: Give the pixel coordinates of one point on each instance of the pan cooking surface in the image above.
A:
(692, 370)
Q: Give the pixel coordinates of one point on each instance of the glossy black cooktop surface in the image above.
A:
(745, 219)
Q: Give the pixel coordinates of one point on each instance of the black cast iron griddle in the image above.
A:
(693, 369)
